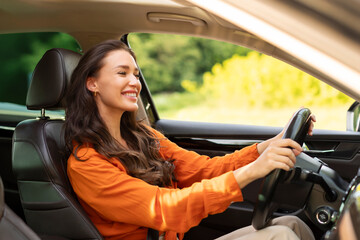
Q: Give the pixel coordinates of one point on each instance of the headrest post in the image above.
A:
(42, 113)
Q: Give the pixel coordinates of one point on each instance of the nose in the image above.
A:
(134, 81)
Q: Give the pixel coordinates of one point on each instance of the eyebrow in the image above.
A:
(126, 67)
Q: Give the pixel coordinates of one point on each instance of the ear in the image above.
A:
(91, 84)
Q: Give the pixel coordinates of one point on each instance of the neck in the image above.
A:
(112, 119)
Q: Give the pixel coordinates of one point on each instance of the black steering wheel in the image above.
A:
(295, 130)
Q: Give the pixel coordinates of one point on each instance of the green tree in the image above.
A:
(167, 60)
(262, 81)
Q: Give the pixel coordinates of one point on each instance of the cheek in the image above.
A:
(115, 85)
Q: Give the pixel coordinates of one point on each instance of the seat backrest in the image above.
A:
(39, 163)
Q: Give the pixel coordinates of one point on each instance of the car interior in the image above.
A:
(40, 167)
(39, 201)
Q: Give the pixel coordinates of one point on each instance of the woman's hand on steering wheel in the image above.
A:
(279, 154)
(310, 131)
(263, 145)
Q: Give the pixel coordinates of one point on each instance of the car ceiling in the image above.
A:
(89, 19)
(92, 21)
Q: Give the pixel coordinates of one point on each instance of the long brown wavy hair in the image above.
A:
(84, 125)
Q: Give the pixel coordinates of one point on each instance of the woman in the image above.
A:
(129, 177)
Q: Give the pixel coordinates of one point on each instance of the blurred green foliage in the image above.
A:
(168, 104)
(166, 60)
(262, 81)
(19, 54)
(174, 66)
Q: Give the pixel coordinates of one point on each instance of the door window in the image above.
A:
(205, 80)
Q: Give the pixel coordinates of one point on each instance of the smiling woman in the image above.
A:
(162, 186)
(105, 76)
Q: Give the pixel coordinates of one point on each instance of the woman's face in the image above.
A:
(117, 84)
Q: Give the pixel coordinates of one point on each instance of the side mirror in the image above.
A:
(352, 117)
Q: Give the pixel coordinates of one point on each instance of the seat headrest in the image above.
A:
(50, 79)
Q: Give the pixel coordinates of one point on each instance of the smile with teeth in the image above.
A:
(130, 94)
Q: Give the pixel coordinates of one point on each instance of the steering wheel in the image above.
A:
(296, 130)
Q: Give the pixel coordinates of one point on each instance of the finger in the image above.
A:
(313, 118)
(284, 160)
(281, 165)
(311, 127)
(287, 142)
(296, 152)
(284, 152)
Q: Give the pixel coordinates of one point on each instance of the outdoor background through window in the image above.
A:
(206, 80)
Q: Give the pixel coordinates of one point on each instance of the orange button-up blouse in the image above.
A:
(124, 207)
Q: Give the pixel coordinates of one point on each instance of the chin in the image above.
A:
(132, 108)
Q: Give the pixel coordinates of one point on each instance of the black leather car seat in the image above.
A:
(49, 204)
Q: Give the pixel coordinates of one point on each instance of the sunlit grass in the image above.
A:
(190, 107)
